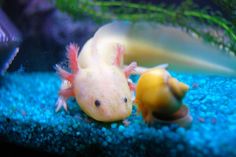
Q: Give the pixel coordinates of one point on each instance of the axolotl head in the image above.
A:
(101, 89)
(103, 92)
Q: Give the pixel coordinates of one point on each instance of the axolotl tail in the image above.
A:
(151, 44)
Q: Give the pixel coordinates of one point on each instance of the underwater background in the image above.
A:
(33, 37)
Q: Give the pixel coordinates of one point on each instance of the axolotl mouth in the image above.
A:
(103, 93)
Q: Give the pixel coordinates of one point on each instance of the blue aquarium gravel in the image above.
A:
(28, 118)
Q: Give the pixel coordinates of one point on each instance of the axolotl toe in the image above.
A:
(101, 88)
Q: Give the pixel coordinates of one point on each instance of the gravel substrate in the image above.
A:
(28, 118)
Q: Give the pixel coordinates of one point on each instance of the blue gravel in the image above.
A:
(28, 118)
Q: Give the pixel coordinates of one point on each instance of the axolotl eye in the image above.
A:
(125, 100)
(97, 103)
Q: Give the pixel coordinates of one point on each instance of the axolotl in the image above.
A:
(101, 88)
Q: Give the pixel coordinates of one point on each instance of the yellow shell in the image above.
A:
(158, 92)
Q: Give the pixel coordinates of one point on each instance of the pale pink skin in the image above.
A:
(101, 81)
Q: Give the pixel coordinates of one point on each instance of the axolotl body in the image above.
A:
(97, 82)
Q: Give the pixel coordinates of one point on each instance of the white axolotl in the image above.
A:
(98, 82)
(101, 89)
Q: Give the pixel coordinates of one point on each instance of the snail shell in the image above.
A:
(157, 91)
